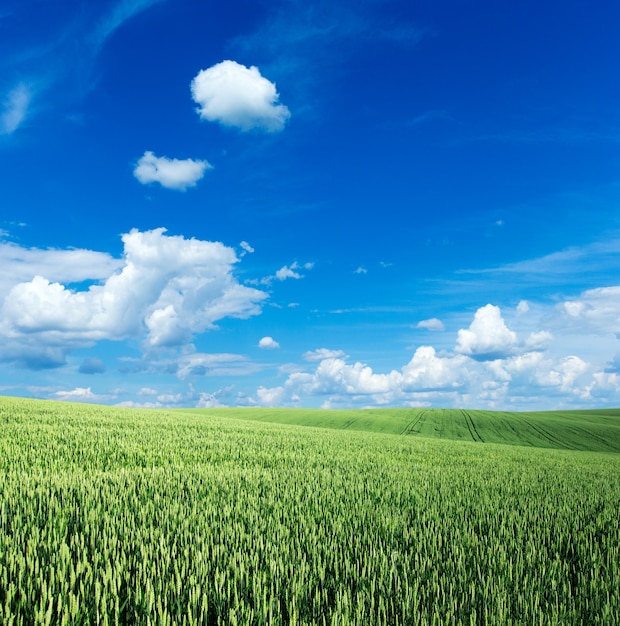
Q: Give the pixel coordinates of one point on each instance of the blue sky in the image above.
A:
(352, 204)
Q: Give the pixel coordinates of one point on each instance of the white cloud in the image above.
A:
(285, 272)
(238, 96)
(523, 307)
(288, 272)
(268, 343)
(596, 309)
(361, 270)
(488, 337)
(323, 353)
(21, 264)
(247, 248)
(79, 394)
(530, 380)
(538, 340)
(431, 324)
(131, 404)
(219, 364)
(179, 174)
(167, 289)
(15, 109)
(427, 371)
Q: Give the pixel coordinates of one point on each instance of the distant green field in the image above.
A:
(570, 430)
(126, 516)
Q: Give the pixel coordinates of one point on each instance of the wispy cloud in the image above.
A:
(57, 59)
(570, 135)
(15, 109)
(307, 41)
(594, 257)
(120, 13)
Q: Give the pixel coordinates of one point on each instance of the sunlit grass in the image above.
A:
(572, 430)
(136, 517)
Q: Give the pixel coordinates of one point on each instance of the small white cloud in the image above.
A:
(287, 271)
(539, 340)
(361, 270)
(323, 353)
(487, 337)
(79, 394)
(431, 324)
(238, 96)
(246, 247)
(15, 109)
(268, 343)
(179, 174)
(523, 307)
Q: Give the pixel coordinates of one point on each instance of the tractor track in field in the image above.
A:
(471, 426)
(545, 434)
(410, 428)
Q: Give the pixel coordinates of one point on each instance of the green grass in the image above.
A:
(118, 516)
(571, 430)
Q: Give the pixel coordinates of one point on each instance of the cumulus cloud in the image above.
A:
(336, 378)
(431, 379)
(361, 270)
(167, 289)
(268, 343)
(487, 337)
(179, 174)
(596, 309)
(427, 371)
(238, 96)
(323, 353)
(15, 109)
(431, 324)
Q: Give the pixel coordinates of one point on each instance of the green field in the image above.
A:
(570, 430)
(126, 516)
